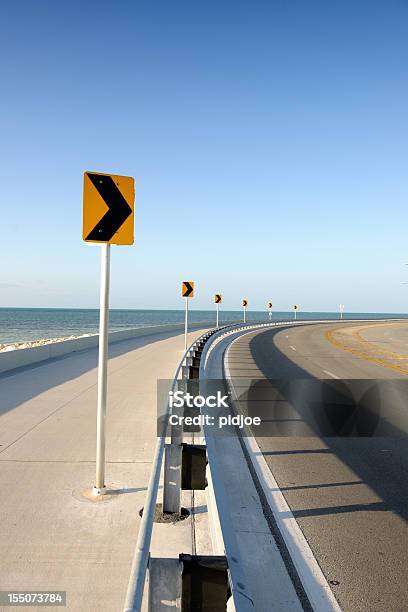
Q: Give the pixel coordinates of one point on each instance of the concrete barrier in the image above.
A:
(10, 360)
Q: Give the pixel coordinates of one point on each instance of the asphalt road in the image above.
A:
(336, 407)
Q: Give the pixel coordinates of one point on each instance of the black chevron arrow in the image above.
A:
(217, 298)
(119, 209)
(188, 289)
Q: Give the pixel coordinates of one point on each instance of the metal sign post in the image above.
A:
(244, 305)
(186, 325)
(187, 291)
(341, 306)
(217, 300)
(99, 487)
(295, 309)
(108, 218)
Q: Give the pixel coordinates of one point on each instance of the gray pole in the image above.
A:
(186, 325)
(99, 488)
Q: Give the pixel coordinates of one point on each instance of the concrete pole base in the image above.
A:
(99, 491)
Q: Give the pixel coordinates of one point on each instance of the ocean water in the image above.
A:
(21, 324)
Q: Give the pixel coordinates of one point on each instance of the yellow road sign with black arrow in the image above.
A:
(108, 208)
(187, 289)
(218, 298)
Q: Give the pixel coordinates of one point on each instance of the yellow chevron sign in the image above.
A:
(295, 307)
(245, 303)
(108, 209)
(269, 305)
(218, 298)
(187, 289)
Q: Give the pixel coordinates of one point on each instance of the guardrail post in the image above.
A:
(188, 584)
(172, 463)
(204, 583)
(193, 467)
(164, 584)
(173, 458)
(172, 479)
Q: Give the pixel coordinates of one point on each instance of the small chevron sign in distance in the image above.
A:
(269, 305)
(108, 208)
(218, 298)
(187, 289)
(295, 307)
(245, 304)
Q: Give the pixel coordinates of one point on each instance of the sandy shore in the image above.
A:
(12, 346)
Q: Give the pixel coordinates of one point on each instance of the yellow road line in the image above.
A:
(371, 349)
(377, 347)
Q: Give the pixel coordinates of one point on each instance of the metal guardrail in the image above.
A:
(136, 585)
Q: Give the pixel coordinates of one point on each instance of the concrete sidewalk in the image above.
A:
(53, 537)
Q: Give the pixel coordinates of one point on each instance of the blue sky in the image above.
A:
(268, 140)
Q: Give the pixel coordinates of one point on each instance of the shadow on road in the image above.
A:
(350, 419)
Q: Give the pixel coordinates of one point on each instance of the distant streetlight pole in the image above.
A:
(341, 306)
